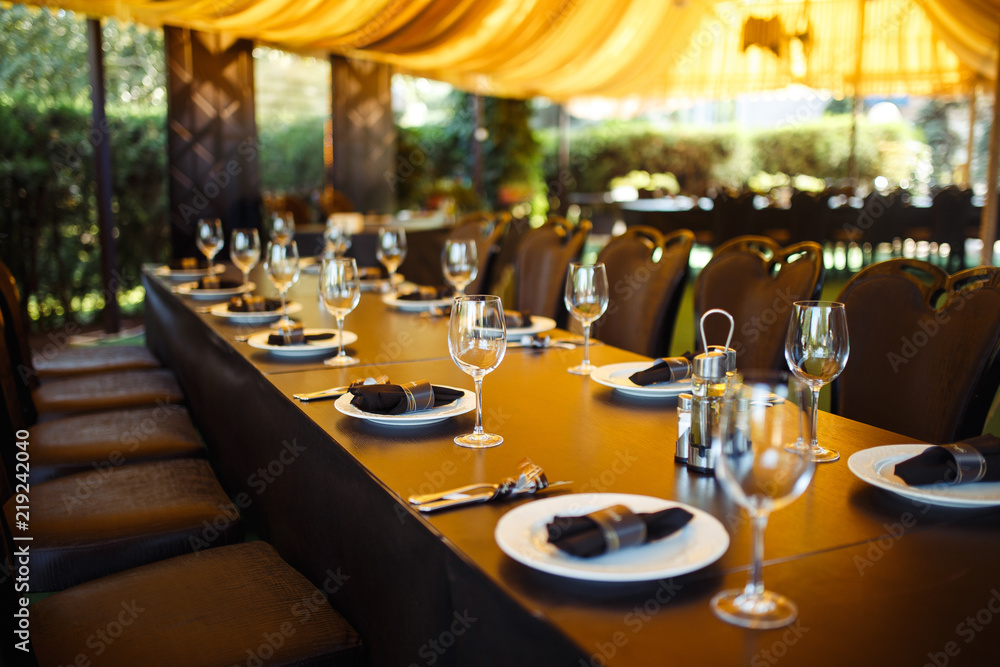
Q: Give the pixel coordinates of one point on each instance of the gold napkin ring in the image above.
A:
(419, 395)
(620, 527)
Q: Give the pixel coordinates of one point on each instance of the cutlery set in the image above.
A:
(530, 480)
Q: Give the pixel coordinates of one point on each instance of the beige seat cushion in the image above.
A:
(81, 361)
(107, 391)
(95, 523)
(235, 605)
(100, 439)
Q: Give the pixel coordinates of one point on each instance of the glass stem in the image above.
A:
(340, 336)
(586, 344)
(246, 282)
(755, 584)
(813, 440)
(284, 315)
(479, 406)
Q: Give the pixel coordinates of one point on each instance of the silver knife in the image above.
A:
(333, 392)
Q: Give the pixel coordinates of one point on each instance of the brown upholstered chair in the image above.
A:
(60, 361)
(757, 282)
(646, 272)
(542, 257)
(78, 393)
(239, 604)
(85, 442)
(487, 230)
(923, 349)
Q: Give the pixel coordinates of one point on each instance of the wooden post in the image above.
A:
(478, 116)
(988, 223)
(102, 176)
(853, 172)
(971, 147)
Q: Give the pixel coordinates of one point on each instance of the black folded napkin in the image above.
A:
(426, 294)
(372, 273)
(253, 304)
(612, 529)
(973, 460)
(517, 319)
(396, 399)
(188, 264)
(213, 282)
(668, 369)
(296, 337)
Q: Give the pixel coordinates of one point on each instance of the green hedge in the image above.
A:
(48, 220)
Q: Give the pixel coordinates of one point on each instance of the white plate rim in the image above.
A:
(867, 464)
(603, 375)
(187, 274)
(539, 325)
(259, 341)
(222, 310)
(519, 532)
(185, 289)
(392, 301)
(462, 405)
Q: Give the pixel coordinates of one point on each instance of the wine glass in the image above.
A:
(341, 292)
(244, 250)
(282, 228)
(209, 238)
(816, 350)
(337, 237)
(763, 463)
(281, 262)
(460, 264)
(391, 251)
(477, 341)
(587, 299)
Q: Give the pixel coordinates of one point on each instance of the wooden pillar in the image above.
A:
(365, 166)
(102, 176)
(853, 172)
(476, 146)
(988, 223)
(211, 134)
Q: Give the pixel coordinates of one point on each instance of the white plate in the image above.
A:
(464, 404)
(192, 290)
(521, 535)
(222, 310)
(876, 465)
(259, 341)
(616, 377)
(415, 306)
(538, 325)
(187, 274)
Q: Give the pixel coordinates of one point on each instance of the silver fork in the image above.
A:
(530, 480)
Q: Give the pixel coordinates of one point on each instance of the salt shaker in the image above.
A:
(709, 381)
(683, 428)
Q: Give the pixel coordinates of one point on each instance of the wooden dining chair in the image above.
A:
(542, 257)
(91, 441)
(951, 210)
(646, 274)
(756, 281)
(924, 344)
(487, 230)
(121, 386)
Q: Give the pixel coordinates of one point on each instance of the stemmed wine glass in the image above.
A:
(337, 237)
(477, 341)
(391, 251)
(460, 264)
(341, 292)
(282, 228)
(281, 262)
(587, 299)
(816, 350)
(763, 464)
(244, 250)
(209, 238)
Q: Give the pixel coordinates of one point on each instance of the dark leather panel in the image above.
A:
(107, 391)
(92, 524)
(542, 258)
(923, 348)
(222, 606)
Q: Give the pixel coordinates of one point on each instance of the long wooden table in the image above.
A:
(878, 579)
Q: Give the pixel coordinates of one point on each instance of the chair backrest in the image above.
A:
(923, 349)
(951, 210)
(756, 281)
(542, 257)
(646, 272)
(16, 339)
(487, 230)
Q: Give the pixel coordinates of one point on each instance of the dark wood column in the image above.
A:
(211, 134)
(365, 166)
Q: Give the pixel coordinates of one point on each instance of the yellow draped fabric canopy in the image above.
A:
(617, 48)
